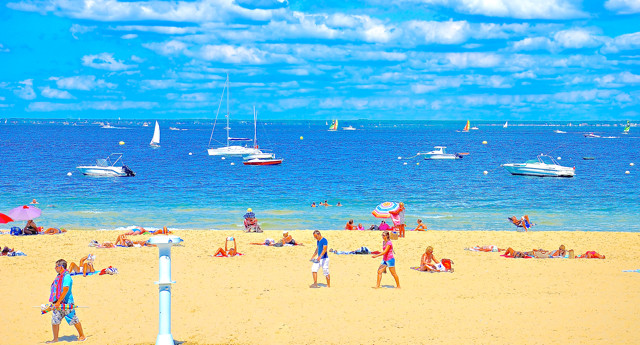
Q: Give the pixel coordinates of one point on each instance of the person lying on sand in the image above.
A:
(122, 240)
(562, 252)
(515, 254)
(136, 231)
(590, 255)
(85, 266)
(485, 249)
(6, 251)
(54, 231)
(428, 262)
(227, 252)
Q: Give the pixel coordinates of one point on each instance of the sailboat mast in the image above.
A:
(228, 91)
(255, 131)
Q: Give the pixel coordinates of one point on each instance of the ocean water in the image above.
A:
(359, 169)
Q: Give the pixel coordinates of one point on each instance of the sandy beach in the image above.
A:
(263, 297)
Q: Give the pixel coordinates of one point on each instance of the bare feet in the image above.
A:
(82, 338)
(52, 341)
(314, 286)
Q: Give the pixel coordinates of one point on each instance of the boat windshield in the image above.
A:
(547, 160)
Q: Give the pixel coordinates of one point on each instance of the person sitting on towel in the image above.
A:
(31, 228)
(250, 222)
(85, 266)
(428, 262)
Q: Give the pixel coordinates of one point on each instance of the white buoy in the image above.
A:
(485, 172)
(631, 164)
(559, 158)
(399, 157)
(190, 153)
(164, 243)
(232, 163)
(69, 174)
(627, 172)
(223, 158)
(405, 163)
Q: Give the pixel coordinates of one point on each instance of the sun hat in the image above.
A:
(249, 209)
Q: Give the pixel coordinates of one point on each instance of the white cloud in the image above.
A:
(105, 61)
(622, 42)
(3, 49)
(168, 30)
(80, 29)
(522, 9)
(449, 32)
(623, 6)
(170, 48)
(576, 39)
(533, 43)
(90, 105)
(82, 82)
(618, 80)
(25, 91)
(55, 93)
(129, 36)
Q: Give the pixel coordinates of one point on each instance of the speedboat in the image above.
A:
(439, 153)
(543, 166)
(348, 128)
(558, 131)
(107, 167)
(591, 135)
(262, 159)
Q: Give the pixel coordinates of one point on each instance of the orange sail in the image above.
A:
(466, 128)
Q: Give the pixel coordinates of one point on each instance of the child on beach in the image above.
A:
(421, 226)
(349, 225)
(61, 293)
(387, 260)
(322, 253)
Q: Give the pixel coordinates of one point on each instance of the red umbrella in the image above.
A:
(5, 219)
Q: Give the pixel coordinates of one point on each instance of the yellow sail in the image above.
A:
(466, 128)
(334, 125)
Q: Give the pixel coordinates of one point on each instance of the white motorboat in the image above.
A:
(262, 159)
(558, 131)
(543, 166)
(107, 167)
(230, 150)
(439, 153)
(348, 128)
(591, 135)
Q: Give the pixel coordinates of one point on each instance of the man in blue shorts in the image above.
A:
(62, 302)
(322, 253)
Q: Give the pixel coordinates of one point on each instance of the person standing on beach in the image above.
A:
(61, 294)
(387, 260)
(322, 253)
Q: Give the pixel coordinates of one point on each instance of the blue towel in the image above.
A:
(80, 273)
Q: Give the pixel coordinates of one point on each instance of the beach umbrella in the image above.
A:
(5, 219)
(383, 210)
(25, 213)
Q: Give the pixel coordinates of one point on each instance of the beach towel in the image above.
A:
(511, 257)
(439, 270)
(109, 270)
(265, 244)
(16, 253)
(80, 273)
(636, 271)
(56, 286)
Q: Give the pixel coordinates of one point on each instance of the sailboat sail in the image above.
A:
(155, 141)
(506, 124)
(334, 125)
(627, 128)
(466, 127)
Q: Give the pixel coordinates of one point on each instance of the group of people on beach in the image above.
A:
(382, 227)
(32, 229)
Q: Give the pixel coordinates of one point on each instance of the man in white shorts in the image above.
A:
(322, 252)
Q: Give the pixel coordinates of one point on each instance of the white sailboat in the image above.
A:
(229, 150)
(155, 141)
(506, 124)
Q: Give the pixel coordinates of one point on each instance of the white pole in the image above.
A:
(164, 244)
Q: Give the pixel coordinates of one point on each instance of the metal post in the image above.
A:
(164, 244)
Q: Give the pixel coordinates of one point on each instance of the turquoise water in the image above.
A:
(359, 169)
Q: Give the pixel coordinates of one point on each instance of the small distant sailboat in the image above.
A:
(155, 141)
(626, 128)
(466, 128)
(334, 126)
(506, 124)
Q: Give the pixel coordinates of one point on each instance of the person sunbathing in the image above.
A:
(287, 239)
(122, 240)
(521, 223)
(53, 231)
(562, 252)
(6, 251)
(163, 231)
(85, 265)
(227, 252)
(485, 249)
(428, 262)
(137, 231)
(515, 254)
(590, 255)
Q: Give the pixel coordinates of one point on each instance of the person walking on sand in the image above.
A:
(61, 293)
(322, 254)
(387, 260)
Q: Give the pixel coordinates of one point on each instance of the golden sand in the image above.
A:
(264, 297)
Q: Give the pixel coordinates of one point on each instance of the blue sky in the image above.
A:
(366, 59)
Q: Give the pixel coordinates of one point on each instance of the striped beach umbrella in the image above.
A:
(382, 210)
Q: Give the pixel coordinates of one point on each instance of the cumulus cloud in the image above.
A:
(105, 61)
(3, 49)
(167, 30)
(55, 93)
(576, 39)
(26, 90)
(618, 80)
(89, 105)
(622, 42)
(129, 36)
(623, 6)
(82, 82)
(173, 47)
(80, 29)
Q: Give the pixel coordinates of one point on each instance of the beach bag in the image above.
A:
(16, 231)
(447, 264)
